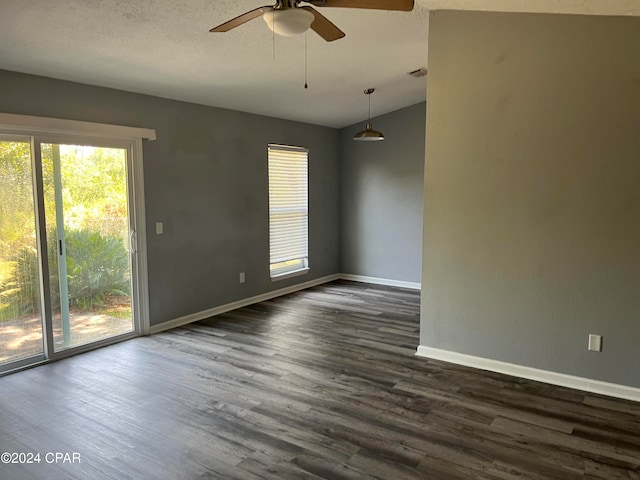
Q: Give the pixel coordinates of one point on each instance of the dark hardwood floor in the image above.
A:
(320, 384)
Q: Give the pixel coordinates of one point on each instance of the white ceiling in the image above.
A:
(164, 48)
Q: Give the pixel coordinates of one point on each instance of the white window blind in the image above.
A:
(288, 209)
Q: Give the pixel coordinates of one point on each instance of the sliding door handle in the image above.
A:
(133, 241)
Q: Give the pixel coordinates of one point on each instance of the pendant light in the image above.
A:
(369, 134)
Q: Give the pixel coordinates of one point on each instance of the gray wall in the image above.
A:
(206, 179)
(532, 204)
(381, 187)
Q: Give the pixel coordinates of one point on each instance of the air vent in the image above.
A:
(421, 72)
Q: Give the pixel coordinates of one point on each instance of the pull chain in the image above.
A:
(305, 59)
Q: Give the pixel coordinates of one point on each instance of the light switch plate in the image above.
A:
(595, 343)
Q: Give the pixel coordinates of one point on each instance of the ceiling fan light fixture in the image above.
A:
(369, 134)
(288, 21)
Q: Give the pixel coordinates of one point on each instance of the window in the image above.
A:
(288, 210)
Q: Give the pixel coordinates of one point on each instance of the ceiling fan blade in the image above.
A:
(401, 5)
(323, 26)
(244, 18)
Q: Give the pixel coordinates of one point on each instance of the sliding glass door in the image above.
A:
(21, 334)
(88, 242)
(67, 247)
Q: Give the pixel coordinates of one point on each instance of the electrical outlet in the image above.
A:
(595, 343)
(159, 228)
(241, 277)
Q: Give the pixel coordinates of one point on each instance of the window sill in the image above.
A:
(295, 273)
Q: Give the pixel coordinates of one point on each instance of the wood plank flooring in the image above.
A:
(320, 384)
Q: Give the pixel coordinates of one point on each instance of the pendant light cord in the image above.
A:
(305, 59)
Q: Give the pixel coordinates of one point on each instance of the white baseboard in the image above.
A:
(546, 376)
(380, 281)
(195, 317)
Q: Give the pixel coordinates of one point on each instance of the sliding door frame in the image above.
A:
(39, 130)
(38, 357)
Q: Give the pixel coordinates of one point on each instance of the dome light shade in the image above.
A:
(288, 21)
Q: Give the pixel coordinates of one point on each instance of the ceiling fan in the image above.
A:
(288, 17)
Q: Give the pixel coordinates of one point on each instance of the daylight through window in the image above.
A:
(288, 210)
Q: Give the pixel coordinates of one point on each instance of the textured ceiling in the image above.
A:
(163, 48)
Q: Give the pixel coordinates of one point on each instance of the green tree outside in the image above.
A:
(96, 227)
